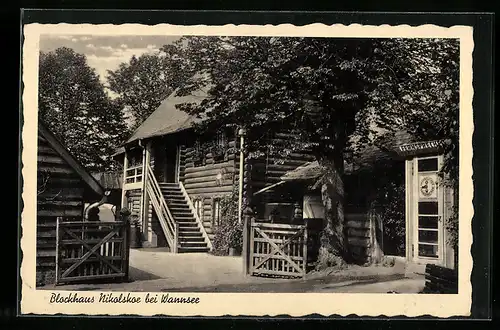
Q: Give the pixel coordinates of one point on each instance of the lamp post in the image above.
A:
(242, 133)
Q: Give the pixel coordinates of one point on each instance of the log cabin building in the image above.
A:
(173, 181)
(63, 188)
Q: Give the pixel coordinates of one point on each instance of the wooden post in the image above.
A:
(241, 133)
(176, 238)
(408, 210)
(305, 248)
(125, 165)
(125, 218)
(250, 245)
(143, 188)
(144, 215)
(177, 164)
(246, 239)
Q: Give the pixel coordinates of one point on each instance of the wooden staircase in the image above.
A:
(191, 237)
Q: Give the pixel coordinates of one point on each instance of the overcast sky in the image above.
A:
(105, 52)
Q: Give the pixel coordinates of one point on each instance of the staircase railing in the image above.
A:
(196, 216)
(165, 218)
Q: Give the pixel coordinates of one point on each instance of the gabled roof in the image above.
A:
(167, 119)
(70, 160)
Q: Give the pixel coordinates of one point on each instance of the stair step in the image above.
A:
(179, 206)
(173, 190)
(190, 231)
(183, 239)
(184, 229)
(174, 199)
(188, 225)
(185, 217)
(193, 244)
(190, 236)
(180, 212)
(192, 249)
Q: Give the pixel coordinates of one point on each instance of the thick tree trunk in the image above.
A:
(332, 250)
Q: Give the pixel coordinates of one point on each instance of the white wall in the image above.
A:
(105, 212)
(313, 207)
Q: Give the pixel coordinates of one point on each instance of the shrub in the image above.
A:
(229, 234)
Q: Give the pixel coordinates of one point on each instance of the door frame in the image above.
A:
(412, 195)
(177, 163)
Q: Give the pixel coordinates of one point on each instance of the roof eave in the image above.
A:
(91, 182)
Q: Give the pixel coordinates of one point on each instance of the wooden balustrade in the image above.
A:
(165, 218)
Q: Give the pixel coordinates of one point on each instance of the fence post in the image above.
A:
(125, 218)
(247, 222)
(305, 245)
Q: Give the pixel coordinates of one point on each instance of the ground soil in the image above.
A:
(155, 270)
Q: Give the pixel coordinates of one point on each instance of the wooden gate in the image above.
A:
(88, 251)
(278, 249)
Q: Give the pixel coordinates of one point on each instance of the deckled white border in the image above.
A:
(253, 304)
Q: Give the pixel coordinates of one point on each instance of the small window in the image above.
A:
(198, 207)
(427, 164)
(217, 219)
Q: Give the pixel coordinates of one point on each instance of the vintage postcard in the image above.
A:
(246, 170)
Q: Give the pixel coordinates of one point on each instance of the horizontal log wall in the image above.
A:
(213, 180)
(357, 228)
(268, 170)
(134, 203)
(363, 232)
(60, 194)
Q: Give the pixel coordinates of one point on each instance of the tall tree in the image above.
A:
(74, 105)
(313, 87)
(419, 93)
(323, 89)
(145, 81)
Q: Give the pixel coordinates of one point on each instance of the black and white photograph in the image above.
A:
(173, 166)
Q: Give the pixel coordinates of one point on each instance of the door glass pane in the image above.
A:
(428, 207)
(428, 236)
(429, 164)
(425, 250)
(428, 222)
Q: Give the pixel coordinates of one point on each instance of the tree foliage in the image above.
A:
(145, 81)
(327, 91)
(75, 107)
(420, 94)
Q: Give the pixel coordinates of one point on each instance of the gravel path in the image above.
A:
(154, 270)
